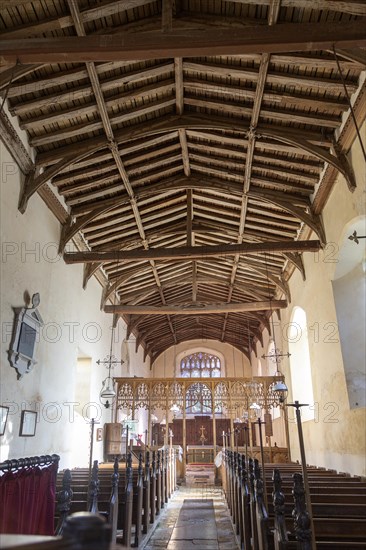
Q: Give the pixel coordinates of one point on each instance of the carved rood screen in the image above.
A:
(198, 395)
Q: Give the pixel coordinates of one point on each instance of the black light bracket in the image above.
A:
(354, 237)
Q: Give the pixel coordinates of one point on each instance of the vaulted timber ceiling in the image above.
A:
(180, 125)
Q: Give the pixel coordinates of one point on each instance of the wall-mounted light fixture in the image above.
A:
(108, 393)
(354, 237)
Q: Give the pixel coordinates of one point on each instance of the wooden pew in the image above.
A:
(149, 494)
(339, 505)
(107, 498)
(334, 524)
(63, 502)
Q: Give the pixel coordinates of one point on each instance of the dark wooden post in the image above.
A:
(280, 531)
(137, 503)
(232, 485)
(224, 472)
(146, 503)
(228, 469)
(235, 490)
(128, 503)
(113, 501)
(245, 498)
(301, 517)
(253, 511)
(158, 484)
(153, 490)
(64, 498)
(239, 525)
(261, 511)
(93, 489)
(163, 473)
(167, 493)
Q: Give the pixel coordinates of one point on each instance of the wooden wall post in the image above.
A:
(184, 432)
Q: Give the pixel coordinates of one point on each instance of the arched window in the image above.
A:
(200, 365)
(300, 366)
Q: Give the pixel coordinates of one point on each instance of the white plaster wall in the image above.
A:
(74, 326)
(350, 296)
(266, 367)
(336, 438)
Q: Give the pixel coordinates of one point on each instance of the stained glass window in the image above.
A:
(200, 365)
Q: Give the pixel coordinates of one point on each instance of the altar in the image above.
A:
(200, 454)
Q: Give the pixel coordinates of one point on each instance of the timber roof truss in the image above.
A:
(169, 125)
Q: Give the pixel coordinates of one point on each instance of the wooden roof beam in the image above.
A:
(201, 310)
(284, 200)
(108, 292)
(162, 86)
(85, 91)
(191, 252)
(302, 140)
(356, 55)
(189, 121)
(15, 72)
(327, 121)
(286, 170)
(354, 7)
(168, 185)
(86, 127)
(67, 21)
(258, 38)
(276, 78)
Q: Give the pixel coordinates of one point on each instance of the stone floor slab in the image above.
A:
(193, 520)
(193, 545)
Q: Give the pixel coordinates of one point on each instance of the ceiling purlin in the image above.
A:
(261, 81)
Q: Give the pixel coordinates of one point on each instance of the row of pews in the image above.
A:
(128, 496)
(269, 511)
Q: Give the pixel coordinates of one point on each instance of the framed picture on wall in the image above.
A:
(28, 422)
(4, 411)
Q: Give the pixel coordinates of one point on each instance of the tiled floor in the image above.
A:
(195, 518)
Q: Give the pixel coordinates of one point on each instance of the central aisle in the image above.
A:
(195, 518)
